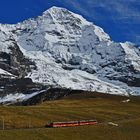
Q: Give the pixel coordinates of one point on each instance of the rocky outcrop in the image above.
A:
(19, 64)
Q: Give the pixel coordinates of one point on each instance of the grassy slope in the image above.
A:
(102, 107)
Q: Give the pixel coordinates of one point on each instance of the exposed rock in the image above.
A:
(62, 49)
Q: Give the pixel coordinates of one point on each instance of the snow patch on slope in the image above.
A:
(3, 72)
(132, 54)
(18, 97)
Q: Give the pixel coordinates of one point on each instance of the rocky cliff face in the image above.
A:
(62, 49)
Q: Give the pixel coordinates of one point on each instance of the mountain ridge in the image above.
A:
(62, 49)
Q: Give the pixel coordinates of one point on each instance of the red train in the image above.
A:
(72, 123)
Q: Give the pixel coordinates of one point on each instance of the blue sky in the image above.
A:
(119, 18)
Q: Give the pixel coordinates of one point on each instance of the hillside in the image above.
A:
(29, 122)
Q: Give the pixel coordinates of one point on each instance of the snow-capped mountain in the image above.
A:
(62, 49)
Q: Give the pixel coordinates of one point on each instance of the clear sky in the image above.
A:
(119, 18)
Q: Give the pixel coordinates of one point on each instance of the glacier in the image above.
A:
(67, 51)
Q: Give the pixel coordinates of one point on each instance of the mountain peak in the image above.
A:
(64, 14)
(55, 10)
(62, 49)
